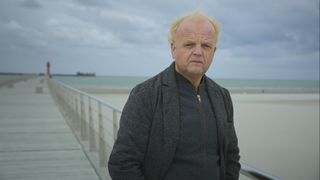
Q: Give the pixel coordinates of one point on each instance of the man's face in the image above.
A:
(193, 47)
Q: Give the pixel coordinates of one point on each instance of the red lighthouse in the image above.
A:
(48, 69)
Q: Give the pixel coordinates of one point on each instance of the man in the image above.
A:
(179, 125)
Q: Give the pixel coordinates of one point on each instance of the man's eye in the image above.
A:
(188, 45)
(206, 46)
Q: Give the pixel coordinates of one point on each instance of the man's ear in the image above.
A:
(173, 48)
(214, 52)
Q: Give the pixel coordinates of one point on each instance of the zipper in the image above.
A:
(204, 134)
(199, 97)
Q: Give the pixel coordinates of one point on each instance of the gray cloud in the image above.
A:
(94, 3)
(33, 4)
(279, 36)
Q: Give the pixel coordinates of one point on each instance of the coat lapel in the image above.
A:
(171, 116)
(219, 111)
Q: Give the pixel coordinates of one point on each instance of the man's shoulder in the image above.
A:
(149, 85)
(165, 77)
(214, 85)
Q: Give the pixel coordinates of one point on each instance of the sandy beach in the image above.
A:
(278, 133)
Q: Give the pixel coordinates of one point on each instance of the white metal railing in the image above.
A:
(254, 173)
(93, 121)
(95, 124)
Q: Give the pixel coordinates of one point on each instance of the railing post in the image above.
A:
(76, 114)
(62, 98)
(92, 139)
(83, 124)
(69, 109)
(115, 124)
(102, 144)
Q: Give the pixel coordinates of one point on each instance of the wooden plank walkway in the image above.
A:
(35, 141)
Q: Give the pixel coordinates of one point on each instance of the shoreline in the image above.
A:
(231, 90)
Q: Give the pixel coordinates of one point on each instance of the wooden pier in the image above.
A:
(35, 141)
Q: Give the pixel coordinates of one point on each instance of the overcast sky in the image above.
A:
(274, 39)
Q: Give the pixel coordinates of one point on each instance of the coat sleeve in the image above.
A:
(126, 159)
(232, 156)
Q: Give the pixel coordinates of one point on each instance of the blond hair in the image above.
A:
(197, 15)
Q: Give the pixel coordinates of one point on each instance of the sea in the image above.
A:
(234, 85)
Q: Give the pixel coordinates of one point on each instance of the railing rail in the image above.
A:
(95, 124)
(254, 173)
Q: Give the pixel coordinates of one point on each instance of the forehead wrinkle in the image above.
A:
(197, 36)
(188, 29)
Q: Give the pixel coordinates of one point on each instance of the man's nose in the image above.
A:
(197, 51)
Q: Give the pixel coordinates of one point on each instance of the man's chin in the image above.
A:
(196, 71)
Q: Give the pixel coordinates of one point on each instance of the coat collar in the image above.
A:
(169, 78)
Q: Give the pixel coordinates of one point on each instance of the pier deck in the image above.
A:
(35, 141)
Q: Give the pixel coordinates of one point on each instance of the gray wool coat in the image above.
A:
(149, 130)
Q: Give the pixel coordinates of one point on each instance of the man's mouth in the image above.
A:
(196, 61)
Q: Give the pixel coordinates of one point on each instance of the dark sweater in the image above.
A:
(196, 156)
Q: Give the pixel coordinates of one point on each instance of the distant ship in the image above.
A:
(86, 74)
